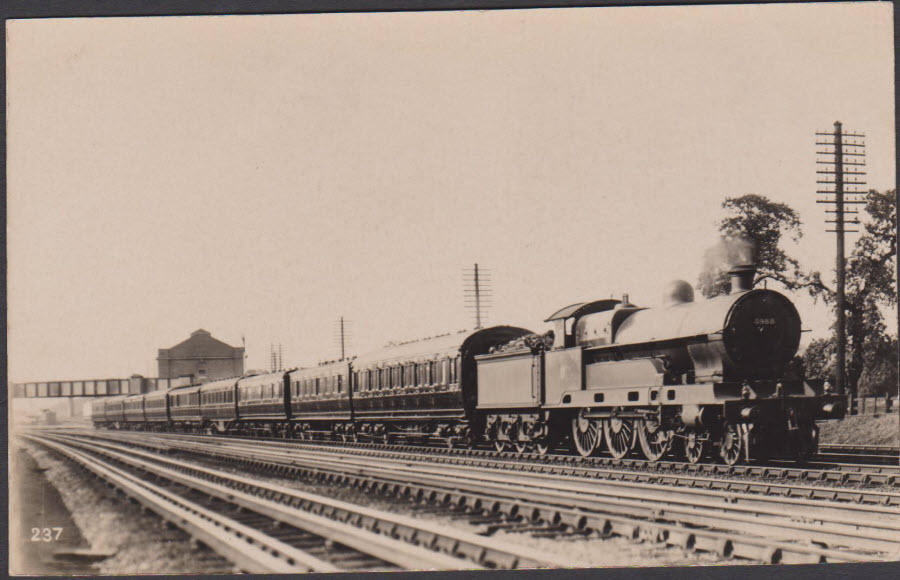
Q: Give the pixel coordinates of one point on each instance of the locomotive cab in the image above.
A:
(565, 321)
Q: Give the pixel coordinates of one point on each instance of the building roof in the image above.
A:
(201, 344)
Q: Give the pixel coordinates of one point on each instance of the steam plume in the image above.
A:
(730, 251)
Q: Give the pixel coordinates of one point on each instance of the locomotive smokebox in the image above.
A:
(742, 278)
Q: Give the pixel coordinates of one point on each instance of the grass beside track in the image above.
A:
(861, 430)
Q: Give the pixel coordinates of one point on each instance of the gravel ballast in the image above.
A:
(140, 543)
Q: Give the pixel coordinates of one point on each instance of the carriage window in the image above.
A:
(340, 380)
(317, 386)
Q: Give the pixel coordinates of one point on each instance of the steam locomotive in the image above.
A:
(693, 379)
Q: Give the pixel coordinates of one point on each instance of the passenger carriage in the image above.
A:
(218, 403)
(423, 389)
(156, 409)
(184, 407)
(319, 399)
(133, 411)
(262, 403)
(98, 412)
(115, 411)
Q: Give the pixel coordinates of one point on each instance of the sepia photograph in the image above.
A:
(431, 290)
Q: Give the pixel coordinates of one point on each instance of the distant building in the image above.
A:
(201, 357)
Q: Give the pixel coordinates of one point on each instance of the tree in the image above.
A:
(880, 373)
(752, 233)
(869, 285)
(818, 360)
(756, 220)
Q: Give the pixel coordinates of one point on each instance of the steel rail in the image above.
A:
(819, 471)
(835, 463)
(866, 449)
(828, 520)
(480, 551)
(547, 501)
(873, 454)
(578, 469)
(379, 548)
(249, 549)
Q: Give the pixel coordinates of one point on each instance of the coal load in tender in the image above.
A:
(533, 342)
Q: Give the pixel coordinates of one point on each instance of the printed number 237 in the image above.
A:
(45, 534)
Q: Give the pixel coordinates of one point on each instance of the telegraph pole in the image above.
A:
(477, 292)
(342, 336)
(837, 193)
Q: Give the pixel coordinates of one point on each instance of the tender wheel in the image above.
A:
(542, 447)
(586, 434)
(521, 446)
(619, 436)
(655, 442)
(499, 444)
(731, 444)
(694, 446)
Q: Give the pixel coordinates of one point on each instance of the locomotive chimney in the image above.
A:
(742, 278)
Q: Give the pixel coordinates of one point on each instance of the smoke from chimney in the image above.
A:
(730, 251)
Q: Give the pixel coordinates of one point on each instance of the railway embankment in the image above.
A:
(41, 526)
(862, 430)
(101, 533)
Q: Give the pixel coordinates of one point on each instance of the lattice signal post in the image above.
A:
(275, 357)
(477, 292)
(844, 157)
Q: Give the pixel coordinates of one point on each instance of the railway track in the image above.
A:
(753, 526)
(833, 474)
(872, 454)
(581, 468)
(267, 528)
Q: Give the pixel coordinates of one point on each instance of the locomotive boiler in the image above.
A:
(707, 375)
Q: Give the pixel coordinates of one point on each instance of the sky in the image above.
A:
(261, 176)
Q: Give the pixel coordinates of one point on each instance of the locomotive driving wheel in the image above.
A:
(731, 444)
(586, 434)
(619, 436)
(694, 445)
(655, 441)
